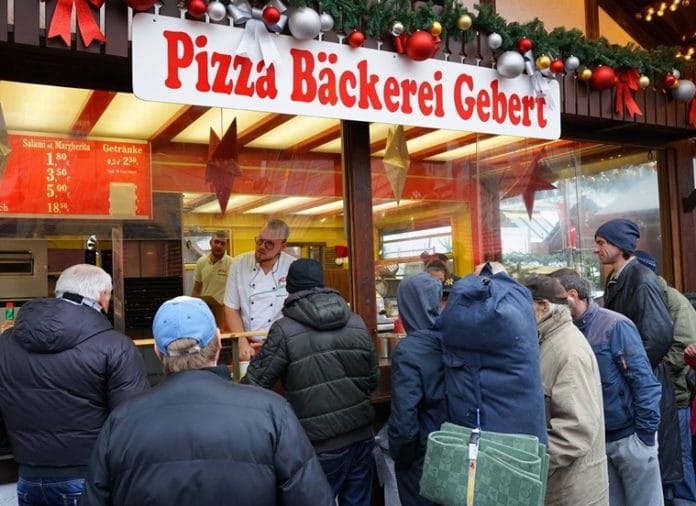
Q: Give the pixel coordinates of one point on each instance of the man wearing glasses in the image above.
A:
(256, 288)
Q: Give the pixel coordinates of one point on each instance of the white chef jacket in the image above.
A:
(259, 296)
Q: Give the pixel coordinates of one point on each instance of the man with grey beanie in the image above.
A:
(634, 291)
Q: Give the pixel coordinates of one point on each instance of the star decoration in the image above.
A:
(222, 166)
(396, 160)
(529, 181)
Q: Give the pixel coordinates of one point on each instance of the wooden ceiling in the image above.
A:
(673, 28)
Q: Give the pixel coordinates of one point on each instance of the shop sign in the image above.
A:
(192, 62)
(56, 177)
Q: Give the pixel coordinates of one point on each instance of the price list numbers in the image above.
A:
(57, 182)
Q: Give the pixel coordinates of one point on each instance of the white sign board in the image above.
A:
(192, 62)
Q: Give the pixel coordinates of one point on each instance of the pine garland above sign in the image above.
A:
(389, 18)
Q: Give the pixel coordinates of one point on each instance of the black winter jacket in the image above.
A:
(324, 356)
(63, 368)
(198, 439)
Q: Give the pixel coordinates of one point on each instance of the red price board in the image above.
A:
(54, 177)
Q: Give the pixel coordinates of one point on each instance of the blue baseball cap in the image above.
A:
(183, 318)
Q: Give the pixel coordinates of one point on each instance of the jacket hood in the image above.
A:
(55, 325)
(318, 308)
(419, 298)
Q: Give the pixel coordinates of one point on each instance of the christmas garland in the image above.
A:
(377, 19)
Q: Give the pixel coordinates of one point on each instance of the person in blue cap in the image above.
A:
(198, 438)
(634, 291)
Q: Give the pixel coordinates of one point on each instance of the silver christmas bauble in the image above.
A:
(304, 23)
(676, 73)
(397, 28)
(217, 11)
(495, 40)
(572, 63)
(684, 91)
(326, 21)
(510, 64)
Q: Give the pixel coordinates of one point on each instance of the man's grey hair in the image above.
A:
(84, 279)
(187, 361)
(277, 224)
(572, 280)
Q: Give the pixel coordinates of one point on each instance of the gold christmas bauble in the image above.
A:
(585, 74)
(436, 29)
(644, 82)
(675, 85)
(543, 62)
(464, 22)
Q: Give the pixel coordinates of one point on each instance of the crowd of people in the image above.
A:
(604, 385)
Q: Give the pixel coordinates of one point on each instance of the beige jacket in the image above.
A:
(574, 415)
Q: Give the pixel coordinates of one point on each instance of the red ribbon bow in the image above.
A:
(627, 81)
(692, 113)
(60, 24)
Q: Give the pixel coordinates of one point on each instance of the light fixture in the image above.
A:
(281, 205)
(323, 208)
(392, 204)
(213, 206)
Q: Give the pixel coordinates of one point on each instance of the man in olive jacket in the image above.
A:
(324, 356)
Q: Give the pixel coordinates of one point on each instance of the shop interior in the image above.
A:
(532, 204)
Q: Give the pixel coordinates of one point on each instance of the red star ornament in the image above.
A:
(223, 166)
(529, 181)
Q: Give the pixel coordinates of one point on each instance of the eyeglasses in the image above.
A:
(267, 243)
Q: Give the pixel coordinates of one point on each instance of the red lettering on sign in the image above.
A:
(179, 55)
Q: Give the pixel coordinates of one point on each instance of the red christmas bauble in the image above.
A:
(670, 80)
(420, 45)
(140, 5)
(556, 66)
(524, 45)
(197, 8)
(270, 15)
(356, 38)
(603, 78)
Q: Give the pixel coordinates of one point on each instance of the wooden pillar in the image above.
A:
(678, 220)
(357, 204)
(592, 19)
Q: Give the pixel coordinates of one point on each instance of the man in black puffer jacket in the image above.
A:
(324, 356)
(197, 439)
(63, 369)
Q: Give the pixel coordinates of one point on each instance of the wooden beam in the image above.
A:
(93, 109)
(592, 19)
(177, 124)
(409, 134)
(315, 141)
(357, 187)
(445, 146)
(266, 124)
(617, 11)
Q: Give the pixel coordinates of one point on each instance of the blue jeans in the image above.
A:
(349, 472)
(49, 491)
(685, 491)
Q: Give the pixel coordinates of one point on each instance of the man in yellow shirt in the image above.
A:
(210, 276)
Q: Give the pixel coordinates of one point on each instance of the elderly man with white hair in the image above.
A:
(63, 369)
